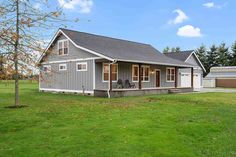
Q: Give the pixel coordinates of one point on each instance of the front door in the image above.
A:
(158, 78)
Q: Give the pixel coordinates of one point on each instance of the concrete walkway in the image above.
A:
(224, 90)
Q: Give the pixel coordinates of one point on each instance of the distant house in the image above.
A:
(102, 66)
(221, 77)
(185, 74)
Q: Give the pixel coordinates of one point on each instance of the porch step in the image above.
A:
(174, 91)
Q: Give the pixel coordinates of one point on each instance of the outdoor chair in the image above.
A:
(119, 84)
(129, 85)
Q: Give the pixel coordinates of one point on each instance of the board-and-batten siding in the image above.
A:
(125, 72)
(74, 52)
(70, 79)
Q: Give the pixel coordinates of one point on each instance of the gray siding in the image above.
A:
(193, 60)
(69, 79)
(74, 52)
(125, 72)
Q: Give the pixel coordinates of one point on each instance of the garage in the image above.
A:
(226, 83)
(197, 81)
(224, 77)
(185, 80)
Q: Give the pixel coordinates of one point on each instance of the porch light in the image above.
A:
(152, 72)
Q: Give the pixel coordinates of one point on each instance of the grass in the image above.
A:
(187, 125)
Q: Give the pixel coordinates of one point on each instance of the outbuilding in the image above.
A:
(221, 77)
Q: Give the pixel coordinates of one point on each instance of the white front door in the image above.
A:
(185, 80)
(197, 81)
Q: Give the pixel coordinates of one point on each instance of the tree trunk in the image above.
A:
(17, 101)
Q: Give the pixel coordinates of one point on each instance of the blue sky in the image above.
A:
(184, 23)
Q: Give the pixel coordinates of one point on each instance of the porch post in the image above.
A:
(192, 77)
(176, 77)
(139, 77)
(110, 75)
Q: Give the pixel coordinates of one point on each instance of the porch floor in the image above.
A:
(138, 92)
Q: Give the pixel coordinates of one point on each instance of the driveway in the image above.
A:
(225, 90)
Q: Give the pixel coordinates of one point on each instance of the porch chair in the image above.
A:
(119, 84)
(129, 85)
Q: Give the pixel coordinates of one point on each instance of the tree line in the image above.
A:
(220, 55)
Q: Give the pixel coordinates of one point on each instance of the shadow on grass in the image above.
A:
(16, 107)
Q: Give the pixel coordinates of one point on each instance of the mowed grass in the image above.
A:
(184, 125)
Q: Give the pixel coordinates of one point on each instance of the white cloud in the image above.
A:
(189, 31)
(209, 5)
(213, 5)
(84, 5)
(180, 18)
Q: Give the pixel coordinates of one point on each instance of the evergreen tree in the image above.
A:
(175, 49)
(211, 57)
(166, 50)
(223, 55)
(201, 52)
(233, 56)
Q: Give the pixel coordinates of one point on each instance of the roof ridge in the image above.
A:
(185, 51)
(107, 37)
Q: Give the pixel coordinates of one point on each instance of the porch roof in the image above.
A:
(122, 50)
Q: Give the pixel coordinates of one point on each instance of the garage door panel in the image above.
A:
(185, 80)
(226, 83)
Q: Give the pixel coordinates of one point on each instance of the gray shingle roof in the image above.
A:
(182, 55)
(121, 50)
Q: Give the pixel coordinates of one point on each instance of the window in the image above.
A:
(106, 71)
(63, 47)
(62, 67)
(82, 66)
(145, 77)
(170, 74)
(47, 68)
(135, 73)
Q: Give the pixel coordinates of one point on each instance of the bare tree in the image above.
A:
(21, 34)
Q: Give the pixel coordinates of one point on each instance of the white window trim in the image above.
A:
(49, 67)
(171, 68)
(147, 66)
(135, 65)
(109, 73)
(62, 65)
(59, 41)
(82, 69)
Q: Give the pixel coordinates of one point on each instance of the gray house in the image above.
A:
(185, 74)
(80, 62)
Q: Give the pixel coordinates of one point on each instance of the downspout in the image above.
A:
(108, 89)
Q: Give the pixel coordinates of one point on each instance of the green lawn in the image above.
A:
(186, 125)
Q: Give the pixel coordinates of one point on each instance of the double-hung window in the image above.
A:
(63, 46)
(145, 73)
(62, 67)
(135, 73)
(82, 66)
(170, 74)
(106, 71)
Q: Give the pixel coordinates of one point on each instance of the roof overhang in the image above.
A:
(59, 32)
(155, 63)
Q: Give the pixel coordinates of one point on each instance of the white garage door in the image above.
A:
(197, 81)
(185, 80)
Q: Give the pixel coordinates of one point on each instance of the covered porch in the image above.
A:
(142, 79)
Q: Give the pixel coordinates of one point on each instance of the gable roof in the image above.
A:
(184, 56)
(118, 49)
